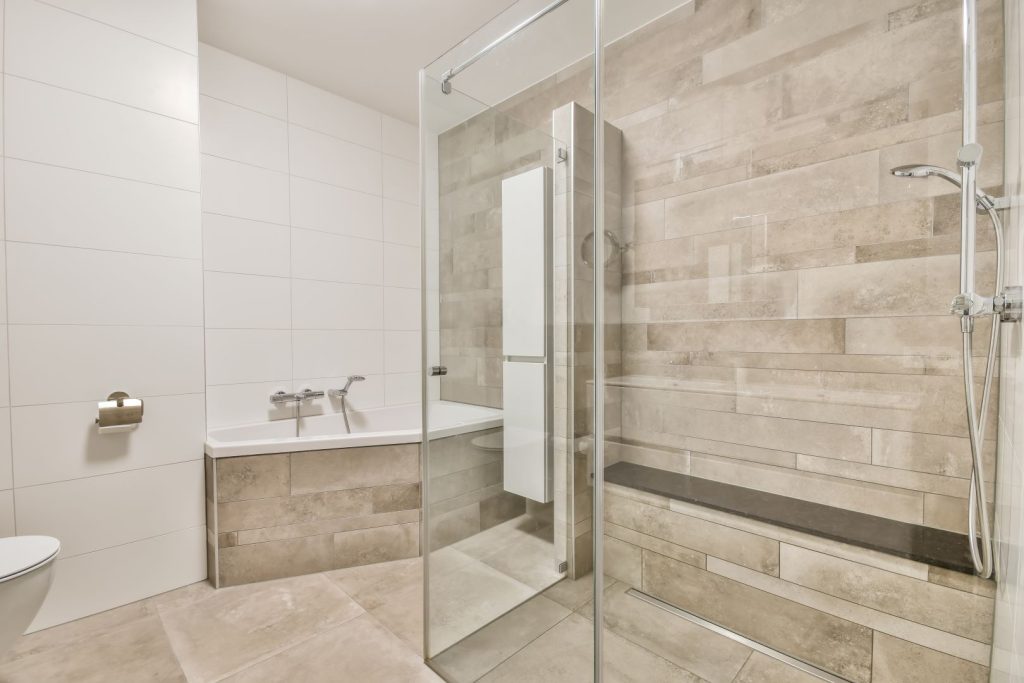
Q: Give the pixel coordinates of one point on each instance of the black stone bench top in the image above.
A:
(911, 541)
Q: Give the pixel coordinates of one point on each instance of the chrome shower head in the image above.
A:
(925, 171)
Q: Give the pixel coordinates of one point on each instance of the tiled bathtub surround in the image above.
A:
(103, 292)
(297, 513)
(311, 234)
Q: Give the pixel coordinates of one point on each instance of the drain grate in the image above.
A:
(732, 635)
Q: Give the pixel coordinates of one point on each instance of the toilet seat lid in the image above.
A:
(21, 553)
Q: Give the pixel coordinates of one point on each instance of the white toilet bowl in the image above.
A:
(26, 572)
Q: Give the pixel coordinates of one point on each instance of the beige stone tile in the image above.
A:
(450, 526)
(640, 540)
(764, 669)
(471, 658)
(948, 513)
(933, 453)
(249, 477)
(781, 336)
(235, 627)
(361, 648)
(861, 226)
(710, 656)
(962, 582)
(756, 552)
(530, 558)
(888, 476)
(460, 482)
(373, 584)
(379, 544)
(623, 561)
(922, 335)
(834, 644)
(565, 653)
(276, 559)
(285, 510)
(572, 593)
(943, 608)
(897, 661)
(325, 526)
(354, 468)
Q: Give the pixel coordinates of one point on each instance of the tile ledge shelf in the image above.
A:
(927, 545)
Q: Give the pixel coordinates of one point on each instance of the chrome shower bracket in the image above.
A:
(1008, 304)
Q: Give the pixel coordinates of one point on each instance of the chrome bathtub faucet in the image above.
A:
(284, 397)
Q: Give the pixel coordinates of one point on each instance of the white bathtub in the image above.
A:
(375, 427)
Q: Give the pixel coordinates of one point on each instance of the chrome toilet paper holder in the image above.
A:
(119, 410)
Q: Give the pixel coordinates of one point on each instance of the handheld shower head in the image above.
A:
(985, 201)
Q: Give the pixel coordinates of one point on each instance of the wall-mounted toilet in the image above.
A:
(26, 572)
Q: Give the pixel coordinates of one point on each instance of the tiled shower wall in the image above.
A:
(311, 235)
(103, 292)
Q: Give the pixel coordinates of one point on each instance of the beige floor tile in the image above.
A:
(764, 669)
(234, 627)
(373, 584)
(572, 593)
(95, 651)
(360, 651)
(471, 658)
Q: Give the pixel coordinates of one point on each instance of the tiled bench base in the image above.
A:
(861, 614)
(285, 514)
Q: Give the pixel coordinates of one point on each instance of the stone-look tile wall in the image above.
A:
(785, 298)
(467, 492)
(287, 514)
(862, 615)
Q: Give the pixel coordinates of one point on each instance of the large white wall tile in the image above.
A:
(401, 389)
(319, 353)
(54, 126)
(113, 509)
(7, 527)
(401, 351)
(239, 81)
(401, 180)
(329, 208)
(325, 158)
(326, 112)
(237, 245)
(247, 301)
(53, 205)
(6, 461)
(55, 46)
(240, 134)
(235, 356)
(401, 266)
(72, 286)
(401, 139)
(401, 309)
(336, 306)
(235, 189)
(335, 258)
(90, 583)
(65, 363)
(59, 442)
(171, 22)
(247, 403)
(401, 223)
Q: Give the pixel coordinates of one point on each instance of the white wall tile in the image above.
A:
(235, 189)
(401, 223)
(325, 158)
(100, 512)
(336, 306)
(401, 309)
(401, 352)
(236, 245)
(235, 356)
(6, 461)
(401, 389)
(335, 258)
(401, 139)
(59, 442)
(240, 134)
(320, 206)
(5, 382)
(65, 363)
(52, 205)
(247, 301)
(46, 124)
(337, 353)
(326, 112)
(239, 81)
(54, 46)
(7, 514)
(401, 180)
(170, 22)
(97, 581)
(238, 404)
(401, 266)
(72, 286)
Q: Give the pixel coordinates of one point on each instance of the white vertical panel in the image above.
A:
(526, 462)
(524, 220)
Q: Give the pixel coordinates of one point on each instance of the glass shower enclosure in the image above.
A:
(694, 399)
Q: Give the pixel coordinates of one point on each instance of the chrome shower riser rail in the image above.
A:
(447, 76)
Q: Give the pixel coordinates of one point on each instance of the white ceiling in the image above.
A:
(369, 51)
